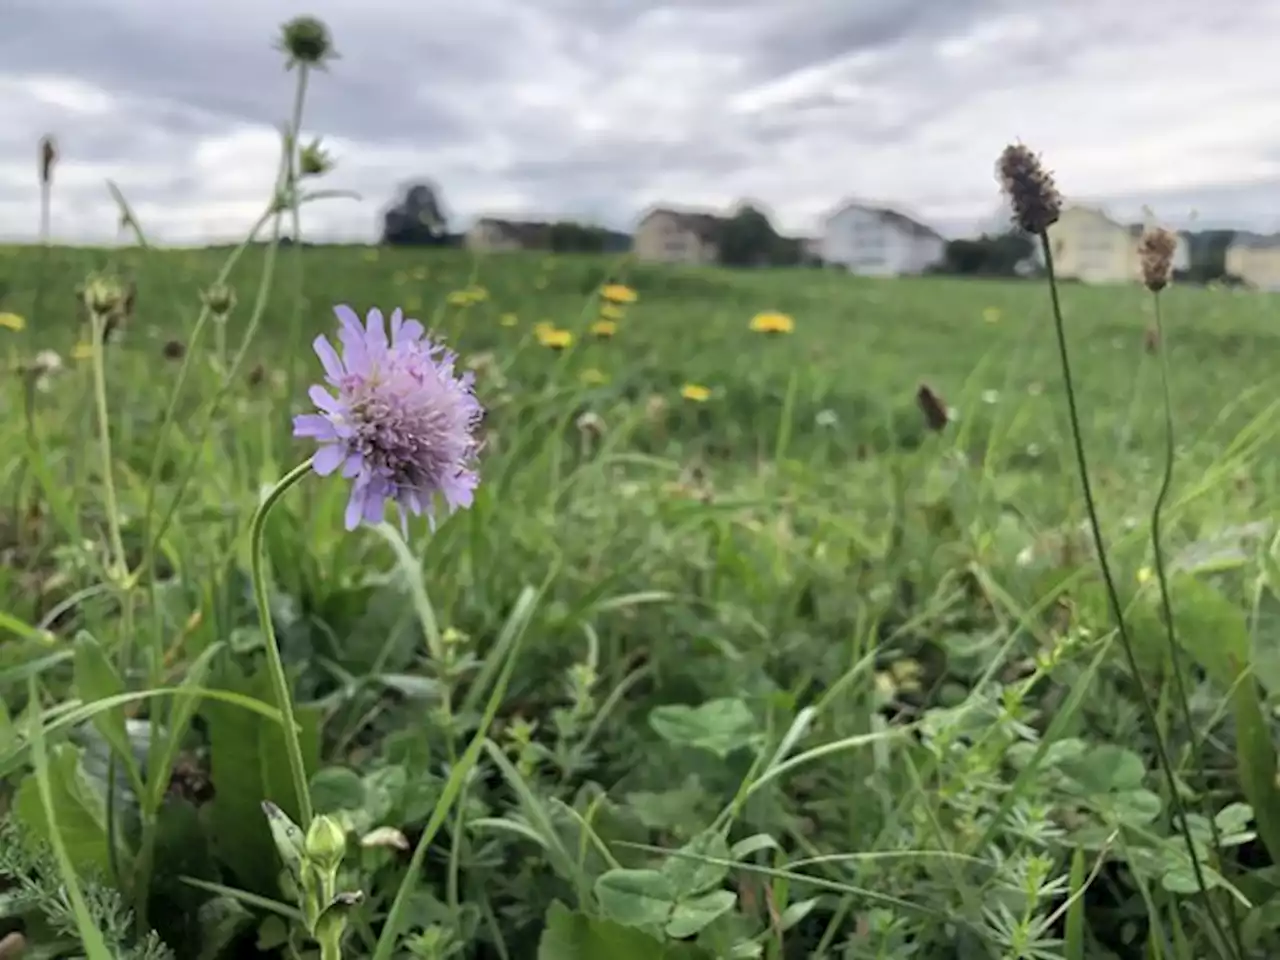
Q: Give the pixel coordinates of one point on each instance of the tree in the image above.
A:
(747, 239)
(996, 255)
(417, 219)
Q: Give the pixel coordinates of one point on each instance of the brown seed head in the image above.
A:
(174, 350)
(1155, 253)
(48, 157)
(1032, 194)
(933, 407)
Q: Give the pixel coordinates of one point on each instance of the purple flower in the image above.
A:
(403, 423)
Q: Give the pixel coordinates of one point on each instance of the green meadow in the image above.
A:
(778, 627)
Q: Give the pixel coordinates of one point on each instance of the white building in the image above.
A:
(879, 242)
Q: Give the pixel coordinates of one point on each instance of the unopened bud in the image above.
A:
(325, 844)
(314, 160)
(307, 41)
(220, 299)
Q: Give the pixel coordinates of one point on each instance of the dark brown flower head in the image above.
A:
(933, 407)
(256, 376)
(48, 157)
(220, 299)
(1155, 254)
(1030, 188)
(174, 350)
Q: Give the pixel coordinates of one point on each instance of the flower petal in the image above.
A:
(411, 331)
(314, 425)
(355, 506)
(328, 458)
(323, 399)
(328, 358)
(375, 338)
(397, 318)
(353, 466)
(352, 333)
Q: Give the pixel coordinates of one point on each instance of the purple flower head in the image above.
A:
(403, 423)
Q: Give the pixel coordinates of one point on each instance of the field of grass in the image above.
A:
(787, 628)
(735, 655)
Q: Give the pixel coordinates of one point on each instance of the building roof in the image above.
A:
(705, 225)
(522, 231)
(1255, 241)
(894, 218)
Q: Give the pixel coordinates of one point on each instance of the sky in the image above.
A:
(598, 109)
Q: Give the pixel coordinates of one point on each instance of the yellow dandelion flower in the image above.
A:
(610, 311)
(618, 293)
(420, 273)
(543, 326)
(459, 298)
(555, 338)
(991, 315)
(509, 320)
(1145, 574)
(12, 321)
(593, 377)
(82, 351)
(772, 322)
(604, 329)
(478, 294)
(695, 392)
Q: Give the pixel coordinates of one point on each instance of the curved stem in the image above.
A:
(1113, 596)
(1166, 603)
(275, 664)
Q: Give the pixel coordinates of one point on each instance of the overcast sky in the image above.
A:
(598, 108)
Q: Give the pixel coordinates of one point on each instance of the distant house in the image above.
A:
(878, 241)
(1255, 259)
(492, 234)
(675, 236)
(1088, 245)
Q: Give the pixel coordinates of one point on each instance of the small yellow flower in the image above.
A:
(478, 294)
(12, 321)
(555, 338)
(695, 392)
(82, 351)
(459, 298)
(543, 326)
(604, 329)
(1145, 574)
(420, 273)
(593, 377)
(991, 315)
(772, 322)
(618, 293)
(509, 320)
(610, 311)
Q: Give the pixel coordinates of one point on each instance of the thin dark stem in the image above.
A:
(1166, 604)
(1113, 596)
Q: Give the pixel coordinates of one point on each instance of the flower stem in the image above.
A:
(1113, 597)
(279, 680)
(1166, 609)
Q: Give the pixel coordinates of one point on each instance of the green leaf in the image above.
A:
(249, 765)
(220, 920)
(691, 916)
(637, 898)
(79, 810)
(720, 726)
(1106, 768)
(691, 874)
(96, 679)
(337, 788)
(575, 936)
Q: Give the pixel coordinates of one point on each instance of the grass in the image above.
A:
(780, 672)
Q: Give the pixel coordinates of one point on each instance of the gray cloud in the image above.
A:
(600, 107)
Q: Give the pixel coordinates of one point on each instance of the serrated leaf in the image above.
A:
(719, 726)
(636, 898)
(691, 916)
